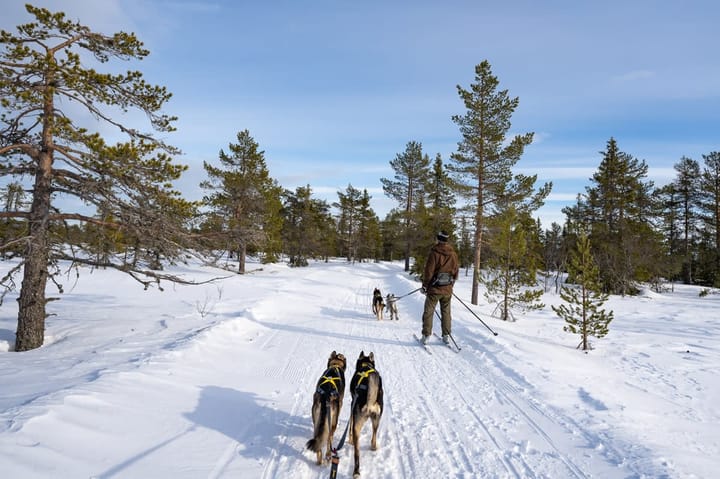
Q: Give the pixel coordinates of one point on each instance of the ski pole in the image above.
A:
(451, 336)
(453, 340)
(473, 313)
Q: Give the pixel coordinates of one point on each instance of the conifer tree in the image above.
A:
(511, 268)
(411, 175)
(307, 227)
(687, 188)
(392, 233)
(582, 308)
(243, 196)
(440, 198)
(482, 166)
(710, 215)
(349, 222)
(618, 211)
(49, 84)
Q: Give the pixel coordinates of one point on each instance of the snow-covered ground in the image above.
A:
(216, 381)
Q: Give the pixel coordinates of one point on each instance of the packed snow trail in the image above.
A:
(232, 398)
(446, 415)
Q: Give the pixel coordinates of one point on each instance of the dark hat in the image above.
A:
(442, 236)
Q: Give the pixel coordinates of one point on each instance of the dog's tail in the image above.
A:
(320, 418)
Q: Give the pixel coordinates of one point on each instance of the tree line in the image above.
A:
(69, 197)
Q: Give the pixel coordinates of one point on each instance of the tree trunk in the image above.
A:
(408, 209)
(476, 268)
(241, 258)
(31, 302)
(478, 245)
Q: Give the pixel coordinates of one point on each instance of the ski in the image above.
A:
(425, 346)
(455, 348)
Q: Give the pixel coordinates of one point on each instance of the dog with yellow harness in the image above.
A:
(327, 403)
(367, 403)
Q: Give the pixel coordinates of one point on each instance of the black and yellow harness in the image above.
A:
(332, 380)
(366, 370)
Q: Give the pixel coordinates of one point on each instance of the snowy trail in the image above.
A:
(230, 395)
(477, 423)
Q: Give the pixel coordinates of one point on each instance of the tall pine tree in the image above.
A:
(617, 209)
(411, 176)
(710, 216)
(482, 165)
(242, 198)
(50, 83)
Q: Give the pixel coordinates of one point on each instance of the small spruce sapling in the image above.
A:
(582, 311)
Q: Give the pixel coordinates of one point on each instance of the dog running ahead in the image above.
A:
(377, 304)
(327, 402)
(391, 305)
(367, 402)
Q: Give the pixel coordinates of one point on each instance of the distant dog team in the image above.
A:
(367, 403)
(379, 304)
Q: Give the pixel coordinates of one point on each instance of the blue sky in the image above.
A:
(333, 90)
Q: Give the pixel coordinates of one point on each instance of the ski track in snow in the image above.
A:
(446, 415)
(471, 413)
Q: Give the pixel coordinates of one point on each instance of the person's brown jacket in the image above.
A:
(442, 259)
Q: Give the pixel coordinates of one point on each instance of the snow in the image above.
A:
(216, 381)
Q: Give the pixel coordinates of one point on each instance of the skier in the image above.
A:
(441, 271)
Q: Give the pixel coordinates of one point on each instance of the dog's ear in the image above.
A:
(333, 354)
(362, 354)
(372, 357)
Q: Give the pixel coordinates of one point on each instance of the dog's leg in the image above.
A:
(350, 427)
(375, 425)
(357, 426)
(331, 430)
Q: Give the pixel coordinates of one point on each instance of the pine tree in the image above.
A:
(582, 311)
(49, 84)
(392, 231)
(440, 198)
(307, 227)
(710, 216)
(482, 166)
(411, 175)
(618, 211)
(687, 188)
(243, 197)
(511, 271)
(349, 222)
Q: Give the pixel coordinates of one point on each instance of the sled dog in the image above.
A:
(377, 304)
(391, 305)
(327, 402)
(367, 403)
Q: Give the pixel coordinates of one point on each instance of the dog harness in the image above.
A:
(332, 380)
(364, 374)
